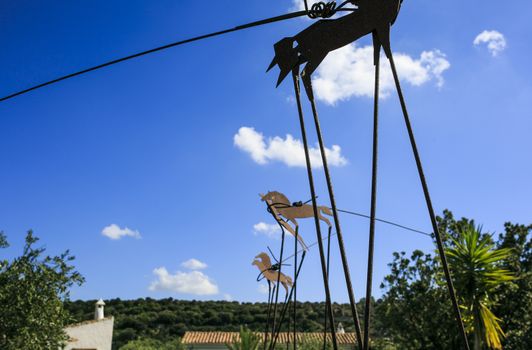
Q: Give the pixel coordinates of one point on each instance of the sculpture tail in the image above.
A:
(289, 281)
(286, 58)
(326, 211)
(302, 242)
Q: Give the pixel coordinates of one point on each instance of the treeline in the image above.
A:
(166, 319)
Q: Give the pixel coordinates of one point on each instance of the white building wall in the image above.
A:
(94, 335)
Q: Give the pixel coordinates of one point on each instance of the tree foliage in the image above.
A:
(249, 340)
(514, 300)
(32, 290)
(165, 319)
(153, 344)
(415, 310)
(477, 268)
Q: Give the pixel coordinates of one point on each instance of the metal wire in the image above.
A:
(160, 48)
(167, 46)
(364, 216)
(386, 222)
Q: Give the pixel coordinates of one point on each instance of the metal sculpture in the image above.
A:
(310, 47)
(294, 210)
(271, 272)
(279, 206)
(324, 36)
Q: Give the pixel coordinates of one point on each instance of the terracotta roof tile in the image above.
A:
(284, 337)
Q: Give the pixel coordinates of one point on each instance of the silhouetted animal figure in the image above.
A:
(312, 45)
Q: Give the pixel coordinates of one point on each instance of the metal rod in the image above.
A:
(270, 299)
(369, 282)
(295, 288)
(345, 264)
(295, 77)
(274, 319)
(439, 241)
(285, 308)
(328, 271)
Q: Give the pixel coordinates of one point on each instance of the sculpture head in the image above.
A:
(274, 197)
(262, 259)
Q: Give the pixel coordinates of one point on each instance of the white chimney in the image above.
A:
(98, 311)
(340, 329)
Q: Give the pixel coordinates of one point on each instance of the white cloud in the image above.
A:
(193, 282)
(349, 72)
(269, 230)
(288, 150)
(228, 297)
(496, 42)
(291, 100)
(299, 5)
(115, 232)
(262, 288)
(194, 264)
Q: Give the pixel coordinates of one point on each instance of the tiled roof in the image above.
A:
(284, 337)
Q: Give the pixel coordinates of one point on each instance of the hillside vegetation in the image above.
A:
(166, 319)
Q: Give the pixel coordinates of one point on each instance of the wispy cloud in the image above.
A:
(262, 289)
(194, 264)
(288, 150)
(193, 282)
(299, 5)
(114, 232)
(269, 230)
(349, 72)
(494, 41)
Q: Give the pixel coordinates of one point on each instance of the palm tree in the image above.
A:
(248, 340)
(477, 271)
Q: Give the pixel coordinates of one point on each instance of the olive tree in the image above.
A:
(33, 288)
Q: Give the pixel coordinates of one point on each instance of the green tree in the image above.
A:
(514, 300)
(249, 340)
(3, 241)
(476, 264)
(313, 344)
(415, 311)
(153, 344)
(32, 290)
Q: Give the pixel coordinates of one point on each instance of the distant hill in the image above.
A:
(166, 319)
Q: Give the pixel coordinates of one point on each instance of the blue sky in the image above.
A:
(149, 145)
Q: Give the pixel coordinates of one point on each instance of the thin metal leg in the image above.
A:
(295, 288)
(429, 207)
(297, 90)
(328, 270)
(285, 308)
(345, 264)
(369, 282)
(278, 284)
(270, 299)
